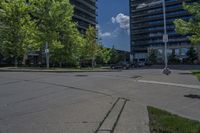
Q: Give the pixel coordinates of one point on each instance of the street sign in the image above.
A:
(165, 38)
(46, 50)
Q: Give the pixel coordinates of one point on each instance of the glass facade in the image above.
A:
(146, 22)
(84, 13)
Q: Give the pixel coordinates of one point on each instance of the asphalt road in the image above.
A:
(93, 102)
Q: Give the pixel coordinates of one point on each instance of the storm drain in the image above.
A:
(136, 77)
(112, 117)
(81, 75)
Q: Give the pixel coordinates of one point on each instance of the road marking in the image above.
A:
(170, 84)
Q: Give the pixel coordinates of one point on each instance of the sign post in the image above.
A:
(165, 40)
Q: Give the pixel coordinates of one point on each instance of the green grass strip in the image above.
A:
(196, 73)
(161, 121)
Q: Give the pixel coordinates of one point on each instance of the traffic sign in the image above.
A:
(165, 38)
(46, 50)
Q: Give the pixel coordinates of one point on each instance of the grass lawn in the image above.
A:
(196, 73)
(164, 122)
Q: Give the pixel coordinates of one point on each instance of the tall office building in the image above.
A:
(84, 13)
(146, 22)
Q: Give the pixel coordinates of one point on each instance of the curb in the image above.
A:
(54, 71)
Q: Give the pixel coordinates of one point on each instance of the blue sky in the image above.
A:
(113, 23)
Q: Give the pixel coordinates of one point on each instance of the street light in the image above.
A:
(165, 39)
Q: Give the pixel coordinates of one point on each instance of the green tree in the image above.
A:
(72, 42)
(192, 26)
(57, 30)
(90, 48)
(192, 55)
(17, 30)
(115, 58)
(103, 55)
(106, 55)
(152, 56)
(173, 59)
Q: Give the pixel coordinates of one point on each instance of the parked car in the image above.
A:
(134, 65)
(141, 63)
(120, 65)
(148, 63)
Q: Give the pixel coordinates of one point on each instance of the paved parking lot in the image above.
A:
(93, 102)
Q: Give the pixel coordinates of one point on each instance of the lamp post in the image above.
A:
(165, 39)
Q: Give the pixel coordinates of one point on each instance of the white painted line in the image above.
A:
(170, 84)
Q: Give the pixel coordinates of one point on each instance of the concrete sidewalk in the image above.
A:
(125, 117)
(134, 119)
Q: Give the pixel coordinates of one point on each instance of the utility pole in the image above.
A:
(165, 39)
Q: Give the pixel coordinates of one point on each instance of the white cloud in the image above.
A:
(113, 20)
(97, 27)
(111, 34)
(116, 32)
(122, 20)
(103, 34)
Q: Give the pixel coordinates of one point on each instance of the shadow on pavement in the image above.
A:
(193, 96)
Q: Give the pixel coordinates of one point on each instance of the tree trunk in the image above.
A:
(92, 63)
(47, 54)
(16, 62)
(198, 52)
(24, 59)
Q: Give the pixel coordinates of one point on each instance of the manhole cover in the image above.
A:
(85, 122)
(193, 96)
(136, 77)
(81, 75)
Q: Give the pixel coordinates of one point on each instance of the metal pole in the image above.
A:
(47, 55)
(165, 39)
(165, 33)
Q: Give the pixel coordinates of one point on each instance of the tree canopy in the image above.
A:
(27, 26)
(56, 28)
(17, 30)
(192, 26)
(103, 55)
(90, 47)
